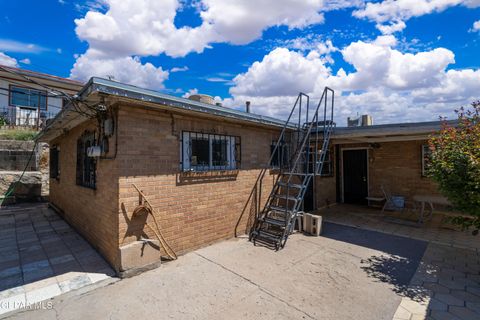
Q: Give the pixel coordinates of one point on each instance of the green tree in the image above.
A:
(455, 165)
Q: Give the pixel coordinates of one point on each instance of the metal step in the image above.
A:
(275, 222)
(296, 174)
(280, 209)
(264, 234)
(285, 197)
(291, 185)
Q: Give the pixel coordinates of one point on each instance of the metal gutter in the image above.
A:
(110, 87)
(390, 129)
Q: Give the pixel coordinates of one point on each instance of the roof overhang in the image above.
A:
(387, 132)
(114, 92)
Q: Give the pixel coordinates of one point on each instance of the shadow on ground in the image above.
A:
(396, 267)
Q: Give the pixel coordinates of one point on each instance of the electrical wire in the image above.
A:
(73, 100)
(66, 95)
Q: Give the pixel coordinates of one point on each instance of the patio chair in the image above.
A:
(396, 203)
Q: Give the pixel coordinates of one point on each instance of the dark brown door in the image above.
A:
(355, 184)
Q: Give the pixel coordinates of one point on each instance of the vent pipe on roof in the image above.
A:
(247, 106)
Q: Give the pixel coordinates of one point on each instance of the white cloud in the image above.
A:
(17, 46)
(131, 27)
(190, 92)
(391, 85)
(241, 21)
(475, 26)
(26, 61)
(7, 60)
(377, 64)
(179, 69)
(123, 69)
(390, 15)
(126, 28)
(281, 72)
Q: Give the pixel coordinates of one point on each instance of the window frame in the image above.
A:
(86, 166)
(54, 162)
(424, 158)
(280, 158)
(329, 162)
(233, 152)
(11, 89)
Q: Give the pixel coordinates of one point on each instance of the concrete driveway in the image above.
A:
(347, 273)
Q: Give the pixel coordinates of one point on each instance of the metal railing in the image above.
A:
(12, 117)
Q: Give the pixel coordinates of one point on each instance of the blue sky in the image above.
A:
(217, 48)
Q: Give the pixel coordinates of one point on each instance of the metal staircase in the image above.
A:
(299, 156)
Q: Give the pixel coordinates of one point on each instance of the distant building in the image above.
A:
(28, 103)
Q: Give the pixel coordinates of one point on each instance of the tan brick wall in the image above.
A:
(194, 209)
(91, 212)
(398, 166)
(326, 186)
(395, 165)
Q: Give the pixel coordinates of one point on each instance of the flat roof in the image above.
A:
(68, 118)
(100, 86)
(110, 87)
(388, 132)
(40, 75)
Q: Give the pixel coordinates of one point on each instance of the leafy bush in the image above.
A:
(20, 134)
(455, 165)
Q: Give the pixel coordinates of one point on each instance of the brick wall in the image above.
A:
(92, 212)
(194, 209)
(325, 187)
(398, 166)
(395, 165)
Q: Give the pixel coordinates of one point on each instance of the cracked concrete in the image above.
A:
(312, 278)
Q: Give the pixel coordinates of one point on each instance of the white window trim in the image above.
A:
(187, 154)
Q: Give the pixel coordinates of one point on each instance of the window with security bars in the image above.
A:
(279, 155)
(327, 167)
(206, 152)
(86, 166)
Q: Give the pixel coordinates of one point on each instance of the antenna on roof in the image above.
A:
(110, 77)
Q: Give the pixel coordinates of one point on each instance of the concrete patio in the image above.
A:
(347, 273)
(42, 256)
(434, 230)
(312, 278)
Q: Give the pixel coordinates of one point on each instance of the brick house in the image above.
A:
(198, 163)
(200, 196)
(363, 159)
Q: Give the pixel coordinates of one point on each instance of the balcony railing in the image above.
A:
(12, 117)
